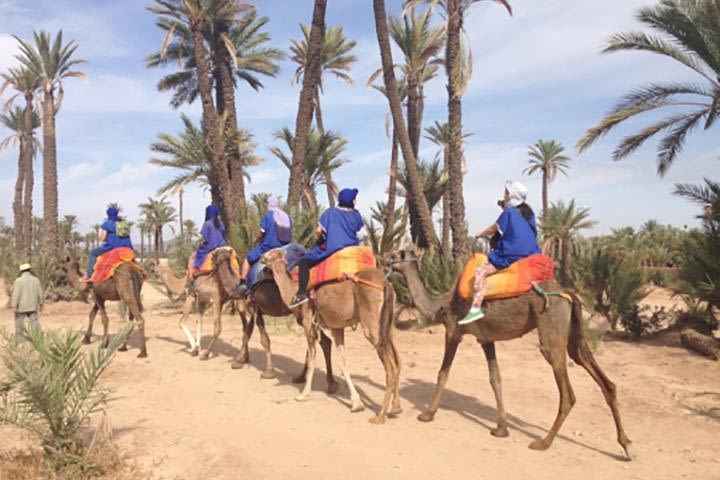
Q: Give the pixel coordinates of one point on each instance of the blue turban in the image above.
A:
(112, 213)
(346, 197)
(211, 212)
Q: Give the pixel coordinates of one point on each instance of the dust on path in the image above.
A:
(186, 419)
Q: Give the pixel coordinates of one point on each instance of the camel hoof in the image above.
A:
(302, 397)
(539, 445)
(123, 348)
(86, 340)
(235, 365)
(301, 379)
(268, 375)
(194, 352)
(357, 407)
(378, 420)
(426, 417)
(395, 411)
(332, 388)
(630, 453)
(204, 355)
(142, 355)
(500, 432)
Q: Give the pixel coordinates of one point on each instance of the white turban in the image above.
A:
(517, 192)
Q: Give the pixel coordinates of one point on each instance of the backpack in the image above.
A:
(122, 228)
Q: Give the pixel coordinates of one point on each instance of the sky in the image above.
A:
(537, 75)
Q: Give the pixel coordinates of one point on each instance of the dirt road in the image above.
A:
(182, 418)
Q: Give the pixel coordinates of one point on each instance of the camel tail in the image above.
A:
(386, 315)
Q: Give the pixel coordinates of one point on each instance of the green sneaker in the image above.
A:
(473, 315)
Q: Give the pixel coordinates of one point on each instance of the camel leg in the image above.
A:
(326, 346)
(198, 329)
(243, 356)
(311, 336)
(338, 335)
(553, 345)
(217, 328)
(106, 327)
(91, 319)
(141, 330)
(582, 355)
(265, 341)
(396, 408)
(496, 383)
(452, 340)
(187, 308)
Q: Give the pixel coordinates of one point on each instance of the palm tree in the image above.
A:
(67, 227)
(547, 157)
(322, 157)
(14, 121)
(303, 120)
(191, 231)
(560, 224)
(158, 213)
(425, 223)
(25, 83)
(237, 51)
(52, 62)
(195, 17)
(458, 69)
(689, 33)
(335, 59)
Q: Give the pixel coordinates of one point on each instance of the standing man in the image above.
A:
(27, 299)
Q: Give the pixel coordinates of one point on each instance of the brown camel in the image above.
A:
(265, 299)
(176, 287)
(125, 285)
(560, 331)
(368, 299)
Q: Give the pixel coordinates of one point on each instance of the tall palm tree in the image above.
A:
(191, 231)
(547, 157)
(323, 155)
(27, 144)
(425, 223)
(560, 224)
(195, 17)
(237, 53)
(458, 69)
(689, 33)
(52, 62)
(158, 213)
(335, 59)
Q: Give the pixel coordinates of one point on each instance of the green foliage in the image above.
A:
(379, 236)
(637, 322)
(51, 388)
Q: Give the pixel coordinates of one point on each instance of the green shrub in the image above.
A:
(637, 322)
(51, 388)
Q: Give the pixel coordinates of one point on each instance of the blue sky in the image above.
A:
(537, 75)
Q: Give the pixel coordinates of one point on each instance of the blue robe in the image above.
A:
(213, 238)
(112, 241)
(268, 241)
(518, 238)
(340, 226)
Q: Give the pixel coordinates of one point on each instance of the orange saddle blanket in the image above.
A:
(108, 262)
(347, 261)
(509, 282)
(208, 264)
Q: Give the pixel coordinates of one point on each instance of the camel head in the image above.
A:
(399, 259)
(221, 255)
(274, 258)
(71, 265)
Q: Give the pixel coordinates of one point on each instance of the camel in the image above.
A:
(366, 298)
(125, 284)
(560, 331)
(176, 287)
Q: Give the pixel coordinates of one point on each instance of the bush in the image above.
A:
(636, 321)
(51, 389)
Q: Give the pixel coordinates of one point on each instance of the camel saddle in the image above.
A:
(513, 281)
(108, 262)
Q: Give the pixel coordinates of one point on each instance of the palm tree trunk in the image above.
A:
(565, 262)
(329, 182)
(412, 115)
(50, 179)
(392, 185)
(311, 79)
(446, 212)
(416, 189)
(226, 88)
(29, 178)
(180, 215)
(157, 245)
(453, 65)
(142, 245)
(544, 192)
(17, 206)
(210, 118)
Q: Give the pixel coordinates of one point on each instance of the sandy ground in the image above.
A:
(182, 418)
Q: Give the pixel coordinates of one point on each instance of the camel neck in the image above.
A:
(284, 281)
(427, 303)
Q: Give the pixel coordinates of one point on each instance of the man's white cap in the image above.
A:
(25, 266)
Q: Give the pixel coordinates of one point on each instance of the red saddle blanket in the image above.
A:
(108, 262)
(347, 261)
(509, 282)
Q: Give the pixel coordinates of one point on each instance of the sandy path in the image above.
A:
(187, 419)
